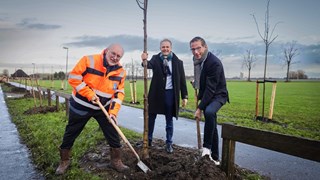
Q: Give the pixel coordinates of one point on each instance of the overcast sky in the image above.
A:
(35, 31)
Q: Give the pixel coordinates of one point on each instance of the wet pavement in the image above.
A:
(15, 163)
(266, 162)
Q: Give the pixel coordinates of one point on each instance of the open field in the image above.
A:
(296, 109)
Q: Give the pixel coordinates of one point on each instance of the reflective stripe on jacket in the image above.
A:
(91, 76)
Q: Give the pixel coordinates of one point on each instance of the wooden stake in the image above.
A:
(272, 99)
(257, 99)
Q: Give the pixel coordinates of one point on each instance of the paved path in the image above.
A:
(15, 163)
(270, 163)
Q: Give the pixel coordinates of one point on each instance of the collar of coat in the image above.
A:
(169, 57)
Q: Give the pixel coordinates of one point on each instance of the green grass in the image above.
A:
(43, 135)
(296, 108)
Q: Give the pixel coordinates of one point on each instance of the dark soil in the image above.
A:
(17, 89)
(41, 109)
(183, 163)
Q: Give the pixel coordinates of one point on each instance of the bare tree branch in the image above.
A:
(140, 4)
(257, 25)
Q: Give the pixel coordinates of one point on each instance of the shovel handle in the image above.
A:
(198, 133)
(118, 129)
(198, 120)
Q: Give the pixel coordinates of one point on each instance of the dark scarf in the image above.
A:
(197, 69)
(165, 60)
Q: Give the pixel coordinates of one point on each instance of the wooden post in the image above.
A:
(39, 91)
(33, 93)
(49, 97)
(131, 91)
(67, 106)
(57, 102)
(257, 99)
(228, 154)
(274, 86)
(135, 91)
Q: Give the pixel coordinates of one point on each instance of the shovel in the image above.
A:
(198, 121)
(140, 164)
(198, 133)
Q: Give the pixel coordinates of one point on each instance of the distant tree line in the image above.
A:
(299, 74)
(59, 75)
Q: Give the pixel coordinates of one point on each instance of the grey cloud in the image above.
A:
(241, 38)
(129, 43)
(29, 23)
(309, 54)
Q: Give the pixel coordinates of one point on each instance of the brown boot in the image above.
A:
(64, 162)
(116, 162)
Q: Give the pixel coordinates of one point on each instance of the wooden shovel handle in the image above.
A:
(118, 130)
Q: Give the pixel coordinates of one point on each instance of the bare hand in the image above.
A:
(184, 102)
(144, 56)
(197, 114)
(114, 118)
(95, 99)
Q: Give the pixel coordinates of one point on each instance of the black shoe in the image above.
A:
(169, 148)
(149, 143)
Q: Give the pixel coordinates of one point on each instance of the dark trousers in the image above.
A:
(169, 105)
(210, 137)
(77, 121)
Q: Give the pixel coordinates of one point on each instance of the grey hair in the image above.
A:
(165, 40)
(116, 45)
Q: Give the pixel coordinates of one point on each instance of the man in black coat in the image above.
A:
(168, 82)
(213, 94)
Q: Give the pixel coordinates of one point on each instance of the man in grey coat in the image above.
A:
(168, 82)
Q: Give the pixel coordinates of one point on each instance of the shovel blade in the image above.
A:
(143, 167)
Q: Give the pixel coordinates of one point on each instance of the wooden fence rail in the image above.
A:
(300, 147)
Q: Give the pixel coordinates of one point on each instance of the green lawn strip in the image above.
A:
(43, 133)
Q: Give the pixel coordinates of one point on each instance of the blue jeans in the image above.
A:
(210, 137)
(169, 105)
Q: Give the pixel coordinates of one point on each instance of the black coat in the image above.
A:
(156, 96)
(212, 82)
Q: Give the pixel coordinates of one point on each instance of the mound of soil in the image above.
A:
(18, 89)
(42, 110)
(183, 163)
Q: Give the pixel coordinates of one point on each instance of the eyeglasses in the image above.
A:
(196, 49)
(115, 55)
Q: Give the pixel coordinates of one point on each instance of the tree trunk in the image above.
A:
(145, 78)
(288, 65)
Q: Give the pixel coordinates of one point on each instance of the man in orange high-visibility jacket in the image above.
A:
(98, 77)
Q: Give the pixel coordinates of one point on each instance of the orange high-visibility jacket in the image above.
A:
(91, 76)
